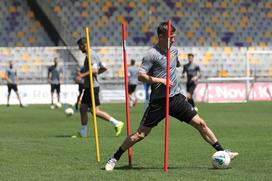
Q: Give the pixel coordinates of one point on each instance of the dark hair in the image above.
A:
(82, 41)
(190, 55)
(132, 62)
(162, 28)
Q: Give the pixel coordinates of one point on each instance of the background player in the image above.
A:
(132, 83)
(153, 71)
(192, 72)
(55, 78)
(11, 77)
(97, 68)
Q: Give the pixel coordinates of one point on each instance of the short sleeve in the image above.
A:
(146, 65)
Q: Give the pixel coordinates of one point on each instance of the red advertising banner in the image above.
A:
(233, 92)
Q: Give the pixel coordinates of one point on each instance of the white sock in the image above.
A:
(83, 130)
(114, 121)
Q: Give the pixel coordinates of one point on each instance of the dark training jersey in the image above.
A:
(55, 74)
(191, 70)
(154, 64)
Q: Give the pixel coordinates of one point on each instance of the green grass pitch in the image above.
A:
(35, 144)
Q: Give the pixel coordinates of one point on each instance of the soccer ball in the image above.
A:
(69, 111)
(58, 105)
(220, 159)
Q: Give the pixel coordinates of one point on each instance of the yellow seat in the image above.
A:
(178, 4)
(12, 9)
(228, 50)
(20, 34)
(19, 44)
(190, 34)
(223, 73)
(57, 9)
(104, 40)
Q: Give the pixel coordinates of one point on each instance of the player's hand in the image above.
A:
(163, 81)
(78, 78)
(194, 78)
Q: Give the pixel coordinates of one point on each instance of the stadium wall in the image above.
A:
(217, 92)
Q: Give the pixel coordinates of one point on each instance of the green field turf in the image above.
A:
(35, 144)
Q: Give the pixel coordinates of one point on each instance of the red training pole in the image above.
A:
(126, 90)
(167, 97)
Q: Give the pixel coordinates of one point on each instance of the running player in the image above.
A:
(192, 72)
(97, 68)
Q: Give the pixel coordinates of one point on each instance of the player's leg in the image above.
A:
(118, 125)
(152, 116)
(182, 110)
(129, 141)
(17, 94)
(52, 95)
(9, 91)
(130, 94)
(58, 92)
(83, 119)
(208, 135)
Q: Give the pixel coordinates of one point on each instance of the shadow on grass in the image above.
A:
(135, 167)
(76, 136)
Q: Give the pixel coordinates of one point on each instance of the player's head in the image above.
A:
(82, 44)
(132, 62)
(190, 57)
(162, 31)
(10, 64)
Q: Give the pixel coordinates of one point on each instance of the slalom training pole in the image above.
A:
(92, 95)
(167, 98)
(124, 33)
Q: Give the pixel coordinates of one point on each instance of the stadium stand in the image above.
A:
(19, 27)
(202, 23)
(220, 33)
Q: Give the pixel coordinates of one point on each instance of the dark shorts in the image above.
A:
(80, 88)
(12, 86)
(131, 88)
(179, 108)
(55, 87)
(86, 99)
(190, 87)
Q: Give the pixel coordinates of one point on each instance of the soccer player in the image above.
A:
(97, 68)
(55, 78)
(132, 83)
(80, 85)
(153, 71)
(192, 72)
(11, 77)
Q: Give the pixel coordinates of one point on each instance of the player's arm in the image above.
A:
(17, 79)
(144, 77)
(94, 71)
(49, 75)
(61, 77)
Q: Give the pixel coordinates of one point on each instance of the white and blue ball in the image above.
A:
(221, 160)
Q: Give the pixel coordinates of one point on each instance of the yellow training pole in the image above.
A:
(92, 94)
